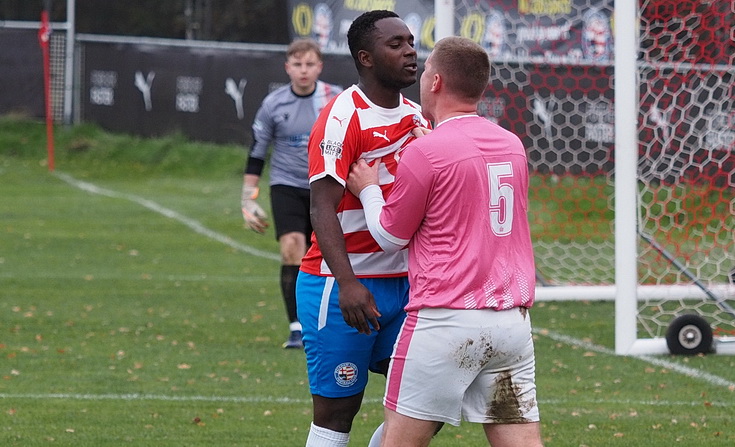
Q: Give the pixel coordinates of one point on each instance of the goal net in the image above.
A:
(553, 84)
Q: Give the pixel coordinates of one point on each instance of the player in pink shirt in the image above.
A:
(459, 202)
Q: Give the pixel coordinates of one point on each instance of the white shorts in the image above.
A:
(476, 365)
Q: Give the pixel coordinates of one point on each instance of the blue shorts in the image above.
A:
(337, 356)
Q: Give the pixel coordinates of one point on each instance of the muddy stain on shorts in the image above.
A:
(524, 312)
(506, 406)
(473, 355)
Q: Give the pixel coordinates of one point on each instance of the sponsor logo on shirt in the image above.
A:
(383, 135)
(298, 141)
(345, 374)
(331, 148)
(339, 120)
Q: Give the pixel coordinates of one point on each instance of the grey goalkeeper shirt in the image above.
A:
(285, 119)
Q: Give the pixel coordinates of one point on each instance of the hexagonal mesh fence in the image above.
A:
(552, 84)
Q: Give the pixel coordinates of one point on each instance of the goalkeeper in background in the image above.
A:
(285, 118)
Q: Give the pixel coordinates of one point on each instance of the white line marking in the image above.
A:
(157, 277)
(153, 206)
(157, 397)
(681, 369)
(307, 401)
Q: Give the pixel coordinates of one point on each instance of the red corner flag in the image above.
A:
(44, 34)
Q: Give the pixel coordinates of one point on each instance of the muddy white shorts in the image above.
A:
(475, 365)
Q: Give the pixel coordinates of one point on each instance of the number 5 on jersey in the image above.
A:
(501, 198)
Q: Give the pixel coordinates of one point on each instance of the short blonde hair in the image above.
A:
(300, 46)
(469, 81)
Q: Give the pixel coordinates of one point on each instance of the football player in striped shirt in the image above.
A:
(350, 293)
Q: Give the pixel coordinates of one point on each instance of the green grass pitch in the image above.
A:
(136, 310)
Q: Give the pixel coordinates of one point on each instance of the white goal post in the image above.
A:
(626, 157)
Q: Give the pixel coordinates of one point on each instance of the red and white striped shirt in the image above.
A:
(349, 128)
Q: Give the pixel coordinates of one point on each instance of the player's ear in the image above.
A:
(436, 83)
(365, 58)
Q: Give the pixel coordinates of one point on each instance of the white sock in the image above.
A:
(294, 326)
(377, 434)
(324, 437)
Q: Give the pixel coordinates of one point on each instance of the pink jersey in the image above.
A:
(349, 128)
(460, 200)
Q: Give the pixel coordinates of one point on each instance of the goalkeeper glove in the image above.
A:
(252, 212)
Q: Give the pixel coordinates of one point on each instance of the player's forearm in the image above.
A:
(332, 244)
(325, 197)
(251, 180)
(254, 166)
(372, 201)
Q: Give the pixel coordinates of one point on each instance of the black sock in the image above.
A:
(288, 289)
